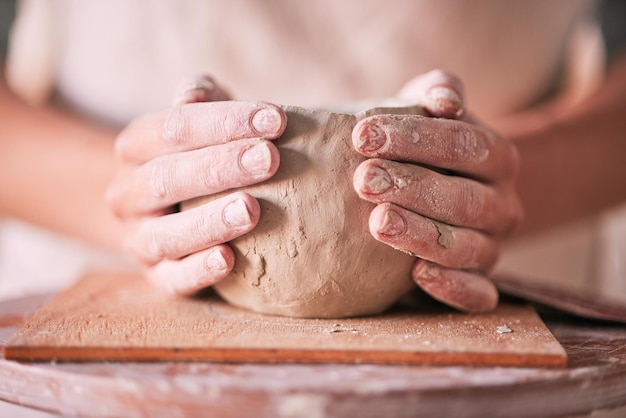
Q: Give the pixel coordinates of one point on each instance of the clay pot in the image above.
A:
(312, 255)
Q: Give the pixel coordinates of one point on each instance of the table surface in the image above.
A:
(594, 379)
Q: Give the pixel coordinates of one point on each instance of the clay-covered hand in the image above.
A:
(444, 188)
(201, 146)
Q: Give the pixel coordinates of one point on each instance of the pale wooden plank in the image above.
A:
(117, 316)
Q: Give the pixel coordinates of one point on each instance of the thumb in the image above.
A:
(440, 93)
(200, 88)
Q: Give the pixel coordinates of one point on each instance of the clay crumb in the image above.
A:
(446, 237)
(259, 270)
(292, 249)
(503, 329)
(400, 183)
(415, 137)
(339, 328)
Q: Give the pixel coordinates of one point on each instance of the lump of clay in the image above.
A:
(311, 254)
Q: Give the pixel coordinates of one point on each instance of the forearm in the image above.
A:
(54, 169)
(573, 161)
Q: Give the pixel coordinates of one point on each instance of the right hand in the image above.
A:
(444, 187)
(198, 147)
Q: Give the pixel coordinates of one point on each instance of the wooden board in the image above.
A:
(595, 378)
(117, 316)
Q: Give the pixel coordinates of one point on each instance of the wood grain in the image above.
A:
(117, 316)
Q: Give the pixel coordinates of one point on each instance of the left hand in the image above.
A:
(444, 188)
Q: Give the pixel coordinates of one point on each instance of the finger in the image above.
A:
(200, 88)
(467, 291)
(197, 125)
(449, 246)
(449, 199)
(440, 93)
(449, 144)
(174, 178)
(180, 234)
(195, 272)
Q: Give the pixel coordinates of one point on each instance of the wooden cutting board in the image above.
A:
(118, 316)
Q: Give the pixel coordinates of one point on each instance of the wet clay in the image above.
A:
(446, 237)
(311, 254)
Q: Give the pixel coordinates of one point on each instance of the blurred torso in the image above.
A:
(120, 58)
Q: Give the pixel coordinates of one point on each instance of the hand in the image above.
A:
(193, 149)
(444, 190)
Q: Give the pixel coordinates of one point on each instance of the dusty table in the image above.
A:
(594, 379)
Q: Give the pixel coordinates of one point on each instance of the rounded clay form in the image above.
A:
(311, 254)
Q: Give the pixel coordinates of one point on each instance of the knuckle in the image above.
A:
(149, 244)
(471, 256)
(472, 206)
(160, 178)
(466, 145)
(202, 225)
(459, 145)
(211, 176)
(210, 166)
(475, 251)
(176, 126)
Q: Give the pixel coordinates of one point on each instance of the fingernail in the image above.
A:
(256, 159)
(371, 137)
(215, 262)
(444, 101)
(236, 214)
(267, 121)
(393, 224)
(376, 180)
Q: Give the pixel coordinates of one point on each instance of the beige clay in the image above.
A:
(311, 254)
